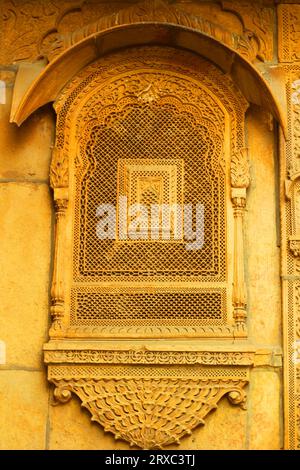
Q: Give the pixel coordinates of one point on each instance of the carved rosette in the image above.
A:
(150, 413)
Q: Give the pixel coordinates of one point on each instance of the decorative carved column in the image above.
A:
(59, 181)
(288, 50)
(240, 180)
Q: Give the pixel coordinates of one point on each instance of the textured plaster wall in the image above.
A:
(27, 418)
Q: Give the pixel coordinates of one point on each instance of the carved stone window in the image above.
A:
(155, 126)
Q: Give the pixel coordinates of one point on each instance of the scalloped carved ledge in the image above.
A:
(150, 412)
(150, 398)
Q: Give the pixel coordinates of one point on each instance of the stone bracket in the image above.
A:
(148, 397)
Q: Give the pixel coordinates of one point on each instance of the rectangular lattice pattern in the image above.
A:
(160, 133)
(115, 307)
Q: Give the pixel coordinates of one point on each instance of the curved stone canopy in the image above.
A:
(53, 78)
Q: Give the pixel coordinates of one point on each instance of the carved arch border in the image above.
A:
(80, 89)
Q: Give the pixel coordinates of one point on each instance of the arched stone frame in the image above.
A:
(64, 393)
(71, 104)
(85, 93)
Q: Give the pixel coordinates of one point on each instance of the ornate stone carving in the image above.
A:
(148, 11)
(107, 331)
(150, 413)
(240, 174)
(294, 164)
(289, 32)
(295, 245)
(147, 182)
(294, 369)
(297, 367)
(258, 21)
(59, 182)
(239, 288)
(25, 23)
(292, 184)
(51, 27)
(59, 169)
(30, 28)
(143, 356)
(239, 165)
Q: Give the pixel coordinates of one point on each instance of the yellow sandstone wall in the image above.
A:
(26, 239)
(27, 418)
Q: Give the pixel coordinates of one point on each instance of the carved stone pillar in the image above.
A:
(57, 288)
(240, 180)
(59, 182)
(239, 289)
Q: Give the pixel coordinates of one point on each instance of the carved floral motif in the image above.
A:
(59, 170)
(294, 168)
(240, 175)
(295, 246)
(30, 28)
(149, 357)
